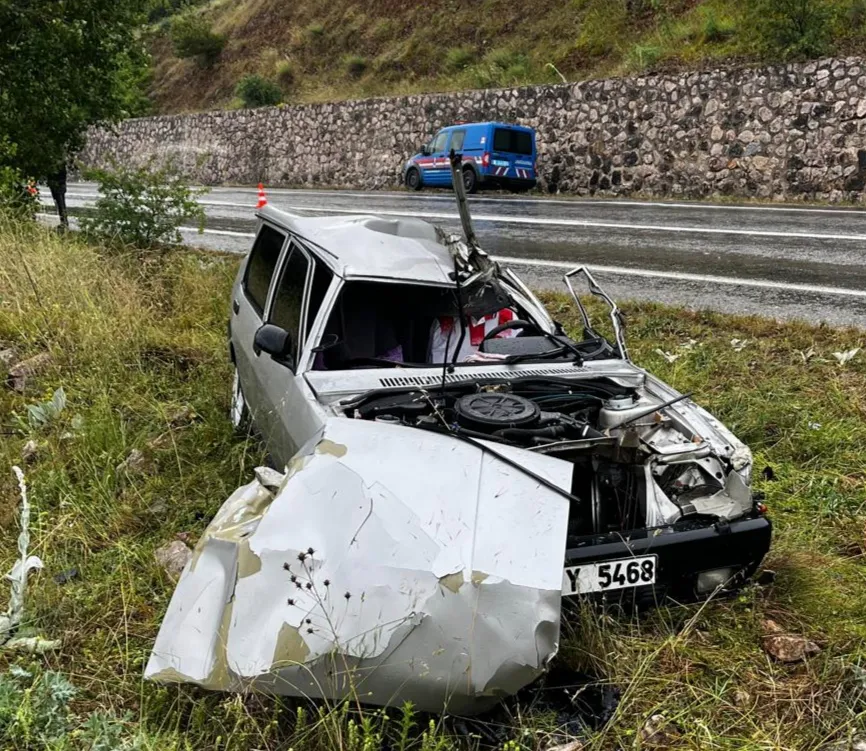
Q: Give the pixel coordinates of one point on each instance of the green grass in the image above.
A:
(134, 338)
(442, 46)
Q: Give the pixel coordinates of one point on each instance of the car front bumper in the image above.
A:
(684, 553)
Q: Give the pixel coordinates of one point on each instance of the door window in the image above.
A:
(439, 142)
(260, 267)
(322, 277)
(288, 308)
(457, 139)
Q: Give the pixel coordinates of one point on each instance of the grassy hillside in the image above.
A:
(344, 48)
(136, 341)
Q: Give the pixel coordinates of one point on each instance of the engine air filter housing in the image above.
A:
(491, 411)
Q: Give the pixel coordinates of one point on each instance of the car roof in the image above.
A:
(372, 247)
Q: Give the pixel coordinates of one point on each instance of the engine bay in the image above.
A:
(637, 462)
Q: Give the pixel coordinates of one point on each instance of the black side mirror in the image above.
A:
(426, 150)
(275, 341)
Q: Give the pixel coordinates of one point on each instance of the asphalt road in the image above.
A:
(786, 262)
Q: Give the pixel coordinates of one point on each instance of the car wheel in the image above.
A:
(413, 179)
(470, 180)
(239, 412)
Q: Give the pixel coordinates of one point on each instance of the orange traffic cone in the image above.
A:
(263, 199)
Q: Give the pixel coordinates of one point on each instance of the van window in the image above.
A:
(512, 141)
(457, 138)
(439, 142)
(289, 298)
(260, 267)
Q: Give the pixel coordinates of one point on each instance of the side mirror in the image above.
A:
(275, 341)
(426, 150)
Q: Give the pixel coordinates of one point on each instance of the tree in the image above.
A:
(64, 64)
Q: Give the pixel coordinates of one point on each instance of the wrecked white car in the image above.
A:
(454, 466)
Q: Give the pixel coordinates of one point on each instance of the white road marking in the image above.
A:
(611, 202)
(554, 222)
(625, 271)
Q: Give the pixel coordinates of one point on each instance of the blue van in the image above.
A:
(496, 154)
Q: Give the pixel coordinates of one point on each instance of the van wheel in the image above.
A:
(239, 412)
(470, 180)
(413, 179)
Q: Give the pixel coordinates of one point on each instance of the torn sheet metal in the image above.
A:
(434, 577)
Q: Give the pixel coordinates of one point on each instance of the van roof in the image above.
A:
(372, 247)
(513, 126)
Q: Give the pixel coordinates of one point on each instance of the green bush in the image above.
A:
(356, 65)
(192, 36)
(715, 29)
(285, 73)
(501, 67)
(14, 194)
(459, 58)
(643, 56)
(143, 207)
(792, 28)
(258, 91)
(315, 30)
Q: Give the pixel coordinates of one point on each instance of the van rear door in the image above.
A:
(513, 153)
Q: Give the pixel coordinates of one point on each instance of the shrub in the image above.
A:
(192, 36)
(14, 195)
(315, 30)
(643, 56)
(501, 67)
(459, 58)
(142, 206)
(355, 65)
(285, 73)
(792, 28)
(258, 91)
(713, 27)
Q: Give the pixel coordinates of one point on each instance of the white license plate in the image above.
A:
(609, 575)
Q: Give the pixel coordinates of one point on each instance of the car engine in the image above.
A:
(636, 464)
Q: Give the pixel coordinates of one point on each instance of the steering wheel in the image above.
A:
(516, 323)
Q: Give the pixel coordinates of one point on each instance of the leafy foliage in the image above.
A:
(792, 28)
(14, 196)
(193, 37)
(142, 206)
(63, 66)
(258, 91)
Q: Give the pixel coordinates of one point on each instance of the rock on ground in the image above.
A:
(173, 557)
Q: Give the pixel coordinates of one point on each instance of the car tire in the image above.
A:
(239, 413)
(413, 179)
(470, 180)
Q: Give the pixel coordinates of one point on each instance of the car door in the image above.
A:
(249, 302)
(439, 171)
(506, 143)
(281, 397)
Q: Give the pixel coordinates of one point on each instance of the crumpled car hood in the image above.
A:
(435, 575)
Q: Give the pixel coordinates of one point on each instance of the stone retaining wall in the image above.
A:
(784, 132)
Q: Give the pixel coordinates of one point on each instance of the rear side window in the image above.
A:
(512, 141)
(260, 267)
(288, 304)
(457, 139)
